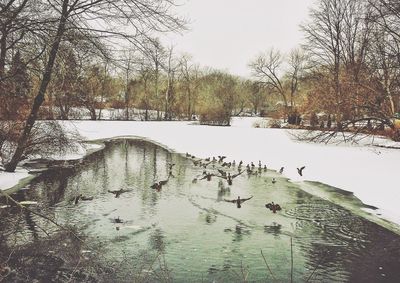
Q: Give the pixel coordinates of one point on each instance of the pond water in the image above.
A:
(186, 232)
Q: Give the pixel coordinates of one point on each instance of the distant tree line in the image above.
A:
(347, 70)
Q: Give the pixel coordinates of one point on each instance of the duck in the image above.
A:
(117, 193)
(207, 176)
(206, 164)
(273, 180)
(221, 158)
(300, 170)
(238, 201)
(77, 198)
(274, 207)
(158, 185)
(223, 173)
(86, 198)
(118, 220)
(230, 177)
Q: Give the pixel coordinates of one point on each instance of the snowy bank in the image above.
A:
(9, 180)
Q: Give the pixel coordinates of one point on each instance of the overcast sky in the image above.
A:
(227, 34)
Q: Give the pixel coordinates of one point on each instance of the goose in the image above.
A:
(158, 186)
(118, 192)
(223, 173)
(86, 198)
(300, 170)
(231, 177)
(207, 176)
(77, 198)
(238, 201)
(273, 207)
(118, 220)
(281, 170)
(206, 164)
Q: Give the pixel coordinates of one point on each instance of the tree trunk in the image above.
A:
(10, 167)
(3, 50)
(93, 115)
(189, 112)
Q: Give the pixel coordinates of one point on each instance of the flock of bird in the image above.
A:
(213, 167)
(218, 167)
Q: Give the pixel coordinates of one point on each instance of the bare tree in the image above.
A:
(141, 15)
(12, 20)
(145, 74)
(190, 74)
(385, 49)
(296, 61)
(171, 69)
(324, 35)
(156, 55)
(256, 93)
(128, 65)
(268, 69)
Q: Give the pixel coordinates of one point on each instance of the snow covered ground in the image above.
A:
(9, 180)
(372, 173)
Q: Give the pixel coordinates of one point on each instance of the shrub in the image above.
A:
(329, 122)
(395, 135)
(46, 138)
(294, 118)
(215, 116)
(275, 123)
(313, 120)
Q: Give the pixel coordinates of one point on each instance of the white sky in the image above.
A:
(227, 34)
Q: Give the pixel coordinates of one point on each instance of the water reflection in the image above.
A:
(274, 229)
(200, 235)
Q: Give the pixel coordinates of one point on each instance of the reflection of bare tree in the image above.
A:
(239, 232)
(31, 225)
(274, 229)
(157, 241)
(222, 191)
